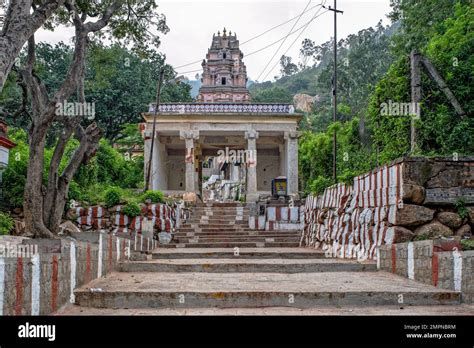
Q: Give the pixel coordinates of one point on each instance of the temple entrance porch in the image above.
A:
(222, 165)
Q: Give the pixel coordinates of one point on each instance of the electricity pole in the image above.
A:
(334, 93)
(153, 135)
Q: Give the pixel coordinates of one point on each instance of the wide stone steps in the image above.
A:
(215, 227)
(213, 230)
(216, 224)
(233, 245)
(228, 211)
(238, 233)
(217, 262)
(247, 265)
(236, 239)
(253, 290)
(247, 253)
(220, 205)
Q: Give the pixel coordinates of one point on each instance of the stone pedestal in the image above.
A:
(251, 137)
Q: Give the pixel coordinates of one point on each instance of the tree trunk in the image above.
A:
(18, 27)
(33, 205)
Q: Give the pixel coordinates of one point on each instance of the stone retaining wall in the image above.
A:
(41, 281)
(412, 198)
(278, 218)
(162, 216)
(436, 262)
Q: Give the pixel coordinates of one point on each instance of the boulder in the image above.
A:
(433, 229)
(464, 231)
(451, 220)
(402, 234)
(68, 227)
(410, 215)
(470, 211)
(304, 102)
(413, 193)
(72, 214)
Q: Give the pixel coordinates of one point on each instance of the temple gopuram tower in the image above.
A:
(193, 147)
(224, 77)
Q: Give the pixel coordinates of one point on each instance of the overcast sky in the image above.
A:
(192, 24)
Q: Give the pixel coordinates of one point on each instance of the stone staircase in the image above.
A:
(202, 277)
(226, 225)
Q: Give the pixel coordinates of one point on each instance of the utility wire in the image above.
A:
(286, 37)
(279, 25)
(271, 44)
(257, 36)
(296, 39)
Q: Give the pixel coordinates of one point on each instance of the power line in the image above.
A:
(257, 36)
(188, 72)
(294, 41)
(286, 37)
(273, 43)
(279, 25)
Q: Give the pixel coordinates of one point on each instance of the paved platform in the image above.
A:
(224, 290)
(278, 311)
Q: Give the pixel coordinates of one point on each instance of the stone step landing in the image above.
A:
(248, 265)
(220, 244)
(253, 290)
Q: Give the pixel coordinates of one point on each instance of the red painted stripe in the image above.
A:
(435, 269)
(19, 286)
(54, 284)
(87, 275)
(394, 259)
(278, 213)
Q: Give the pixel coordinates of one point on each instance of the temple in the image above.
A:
(223, 147)
(224, 76)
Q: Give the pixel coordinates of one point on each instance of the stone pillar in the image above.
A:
(159, 169)
(190, 177)
(283, 164)
(251, 137)
(291, 145)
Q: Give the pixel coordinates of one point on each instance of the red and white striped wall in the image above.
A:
(350, 221)
(36, 285)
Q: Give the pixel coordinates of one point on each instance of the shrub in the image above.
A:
(132, 209)
(112, 196)
(319, 184)
(467, 244)
(6, 223)
(74, 191)
(154, 196)
(460, 206)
